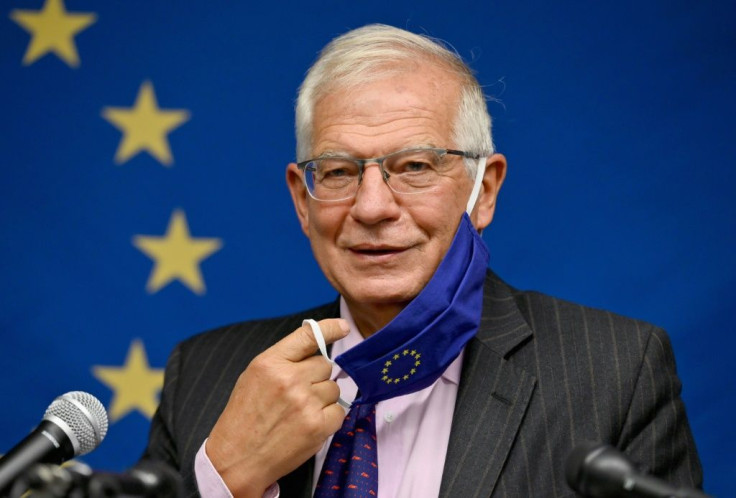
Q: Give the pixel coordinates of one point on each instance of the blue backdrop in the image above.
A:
(144, 144)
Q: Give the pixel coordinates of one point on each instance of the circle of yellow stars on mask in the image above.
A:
(415, 362)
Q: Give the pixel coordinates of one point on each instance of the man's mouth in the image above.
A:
(376, 251)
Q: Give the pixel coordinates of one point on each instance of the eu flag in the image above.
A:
(143, 146)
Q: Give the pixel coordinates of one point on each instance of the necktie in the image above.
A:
(351, 464)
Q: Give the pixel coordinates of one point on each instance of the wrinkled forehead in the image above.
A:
(364, 73)
(399, 110)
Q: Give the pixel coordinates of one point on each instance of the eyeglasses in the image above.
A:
(408, 171)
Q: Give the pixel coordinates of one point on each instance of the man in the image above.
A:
(395, 163)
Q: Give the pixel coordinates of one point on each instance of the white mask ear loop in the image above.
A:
(480, 170)
(320, 338)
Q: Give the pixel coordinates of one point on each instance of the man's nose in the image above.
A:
(374, 201)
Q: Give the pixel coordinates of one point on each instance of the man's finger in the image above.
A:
(301, 343)
(314, 369)
(334, 417)
(326, 391)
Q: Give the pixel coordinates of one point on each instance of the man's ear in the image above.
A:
(493, 178)
(299, 195)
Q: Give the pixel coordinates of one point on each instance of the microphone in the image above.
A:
(45, 480)
(600, 471)
(74, 424)
(145, 480)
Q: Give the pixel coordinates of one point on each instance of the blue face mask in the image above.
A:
(413, 350)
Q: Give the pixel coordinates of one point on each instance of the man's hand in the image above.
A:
(280, 412)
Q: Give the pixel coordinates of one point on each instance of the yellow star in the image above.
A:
(135, 385)
(52, 29)
(176, 255)
(145, 126)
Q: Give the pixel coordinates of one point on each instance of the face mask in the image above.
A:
(413, 350)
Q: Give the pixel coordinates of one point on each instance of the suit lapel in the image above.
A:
(492, 398)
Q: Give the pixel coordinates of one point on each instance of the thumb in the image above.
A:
(301, 343)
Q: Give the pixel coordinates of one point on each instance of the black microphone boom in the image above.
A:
(600, 471)
(74, 424)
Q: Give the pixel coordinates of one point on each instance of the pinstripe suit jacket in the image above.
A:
(541, 376)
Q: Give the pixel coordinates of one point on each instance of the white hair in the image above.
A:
(376, 51)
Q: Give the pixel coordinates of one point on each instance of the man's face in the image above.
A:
(380, 248)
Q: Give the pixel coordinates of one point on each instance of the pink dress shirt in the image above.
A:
(412, 431)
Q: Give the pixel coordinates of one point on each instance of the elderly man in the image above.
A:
(453, 383)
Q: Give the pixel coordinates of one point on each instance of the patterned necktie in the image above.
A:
(351, 464)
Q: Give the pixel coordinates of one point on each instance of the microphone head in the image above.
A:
(82, 417)
(575, 463)
(597, 470)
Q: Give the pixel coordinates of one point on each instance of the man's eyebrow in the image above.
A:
(341, 153)
(334, 153)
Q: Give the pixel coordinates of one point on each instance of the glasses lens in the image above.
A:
(414, 170)
(331, 178)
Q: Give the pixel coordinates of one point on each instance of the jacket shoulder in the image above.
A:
(545, 312)
(259, 334)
